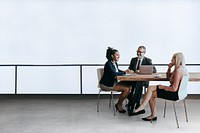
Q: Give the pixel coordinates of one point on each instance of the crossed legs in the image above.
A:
(150, 97)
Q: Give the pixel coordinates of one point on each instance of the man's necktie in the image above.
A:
(138, 65)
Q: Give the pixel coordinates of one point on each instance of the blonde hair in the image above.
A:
(179, 60)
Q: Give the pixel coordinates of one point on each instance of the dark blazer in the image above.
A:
(109, 75)
(145, 61)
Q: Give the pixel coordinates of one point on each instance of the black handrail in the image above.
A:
(80, 64)
(57, 65)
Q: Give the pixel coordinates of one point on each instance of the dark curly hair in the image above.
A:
(110, 52)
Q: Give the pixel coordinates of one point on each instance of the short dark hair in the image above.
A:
(110, 51)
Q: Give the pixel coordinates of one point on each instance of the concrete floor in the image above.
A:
(80, 116)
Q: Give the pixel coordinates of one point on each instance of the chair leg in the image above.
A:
(98, 101)
(113, 102)
(175, 114)
(186, 116)
(165, 108)
(110, 99)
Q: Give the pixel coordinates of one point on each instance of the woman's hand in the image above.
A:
(170, 65)
(128, 71)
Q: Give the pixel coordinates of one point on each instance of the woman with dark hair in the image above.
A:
(109, 80)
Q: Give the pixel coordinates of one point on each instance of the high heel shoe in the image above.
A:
(120, 111)
(150, 119)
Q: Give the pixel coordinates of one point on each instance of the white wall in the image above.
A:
(79, 31)
(48, 80)
(7, 80)
(73, 31)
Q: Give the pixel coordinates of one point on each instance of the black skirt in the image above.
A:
(161, 93)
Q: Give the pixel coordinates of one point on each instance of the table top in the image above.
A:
(160, 76)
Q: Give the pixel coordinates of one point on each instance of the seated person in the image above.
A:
(134, 99)
(166, 92)
(109, 79)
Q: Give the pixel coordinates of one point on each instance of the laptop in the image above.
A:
(146, 69)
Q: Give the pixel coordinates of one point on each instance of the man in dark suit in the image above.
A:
(137, 86)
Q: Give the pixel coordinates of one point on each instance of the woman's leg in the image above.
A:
(150, 91)
(124, 93)
(152, 103)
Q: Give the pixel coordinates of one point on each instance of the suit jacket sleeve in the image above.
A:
(132, 65)
(112, 71)
(109, 76)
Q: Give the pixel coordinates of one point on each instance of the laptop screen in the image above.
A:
(146, 69)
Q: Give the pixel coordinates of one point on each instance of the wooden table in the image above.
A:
(194, 77)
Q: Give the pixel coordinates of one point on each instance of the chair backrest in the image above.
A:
(99, 75)
(182, 92)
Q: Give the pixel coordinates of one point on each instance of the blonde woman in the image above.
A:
(166, 92)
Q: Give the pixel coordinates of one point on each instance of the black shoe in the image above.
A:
(153, 119)
(137, 113)
(120, 111)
